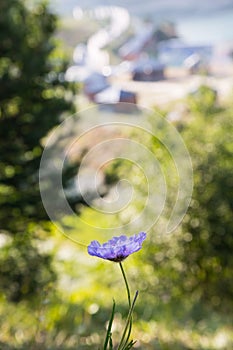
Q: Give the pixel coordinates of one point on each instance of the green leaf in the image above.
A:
(108, 338)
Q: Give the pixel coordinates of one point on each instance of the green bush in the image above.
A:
(33, 97)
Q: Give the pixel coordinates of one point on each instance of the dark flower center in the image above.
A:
(118, 258)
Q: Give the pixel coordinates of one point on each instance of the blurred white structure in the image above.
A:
(175, 51)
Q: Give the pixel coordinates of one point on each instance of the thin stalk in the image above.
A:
(126, 284)
(109, 335)
(128, 320)
(129, 301)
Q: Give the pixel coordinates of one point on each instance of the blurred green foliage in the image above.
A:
(207, 258)
(185, 278)
(203, 101)
(33, 98)
(195, 261)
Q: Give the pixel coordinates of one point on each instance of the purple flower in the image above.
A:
(117, 248)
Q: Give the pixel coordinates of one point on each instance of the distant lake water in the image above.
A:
(215, 28)
(196, 20)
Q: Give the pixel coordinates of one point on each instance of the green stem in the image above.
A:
(129, 301)
(109, 334)
(129, 321)
(126, 284)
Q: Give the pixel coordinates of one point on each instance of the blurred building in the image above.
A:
(95, 83)
(80, 54)
(148, 70)
(77, 73)
(132, 49)
(175, 52)
(195, 64)
(117, 100)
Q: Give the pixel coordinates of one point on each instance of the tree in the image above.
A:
(207, 257)
(33, 97)
(194, 263)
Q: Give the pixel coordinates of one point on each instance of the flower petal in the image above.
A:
(117, 248)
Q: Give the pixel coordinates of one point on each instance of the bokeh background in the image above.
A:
(53, 295)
